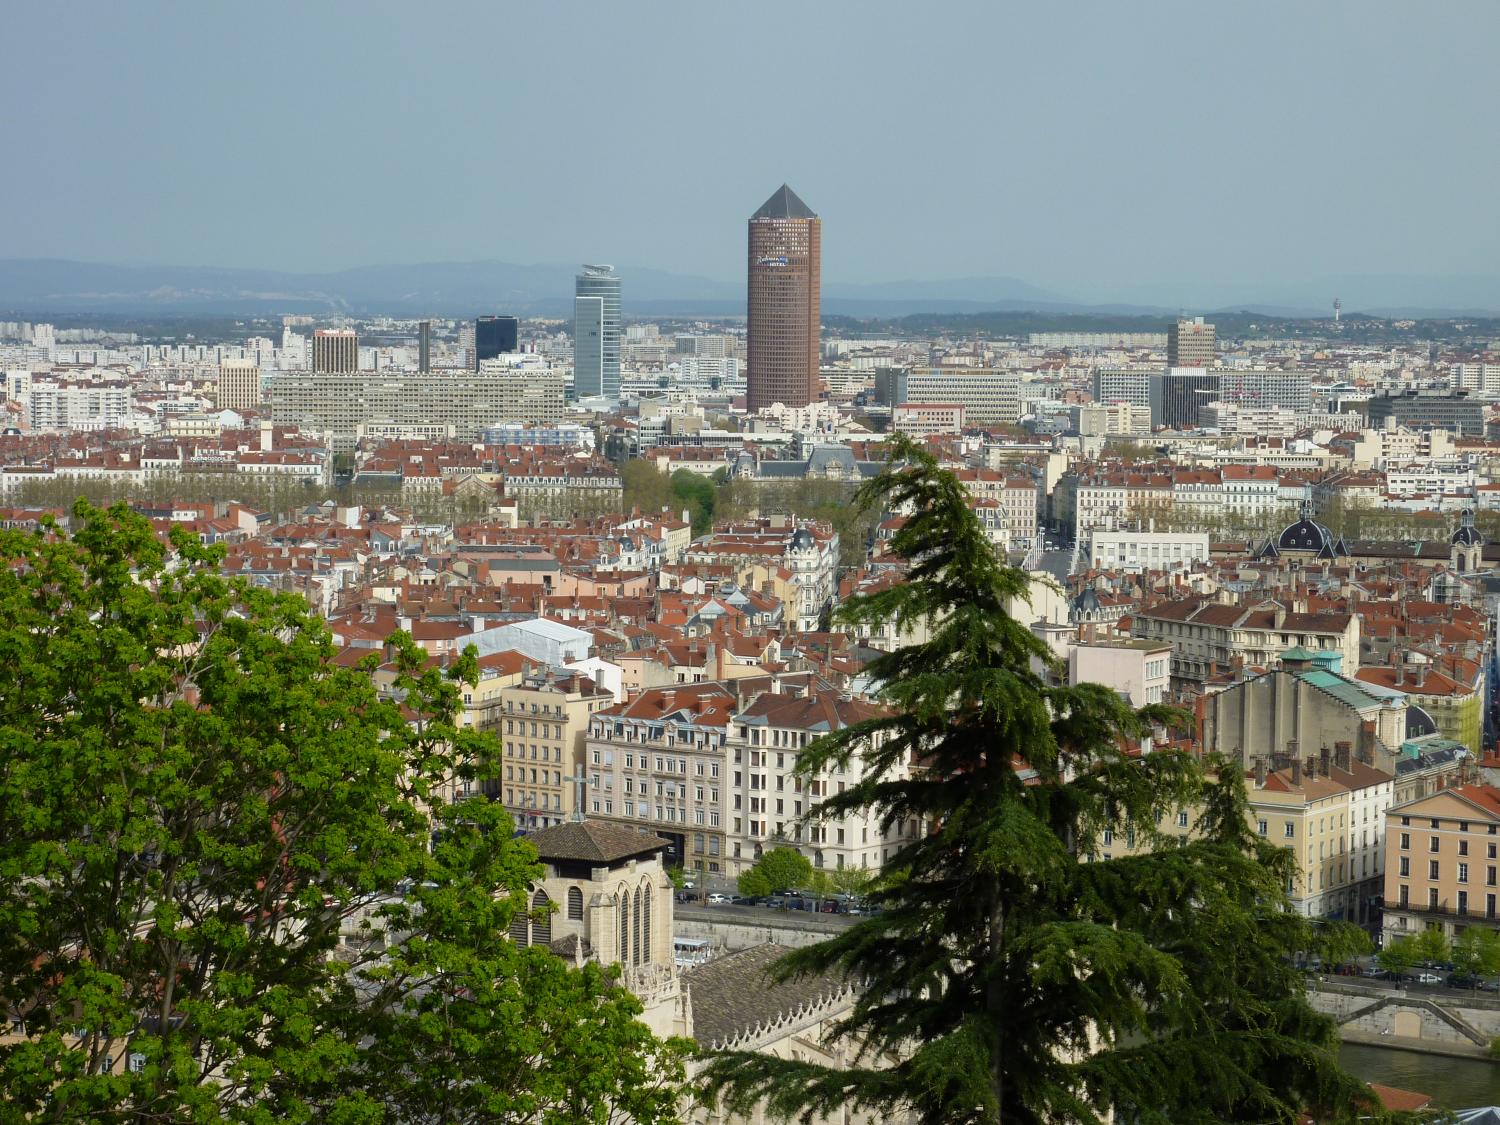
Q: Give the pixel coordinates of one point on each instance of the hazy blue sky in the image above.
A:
(1084, 147)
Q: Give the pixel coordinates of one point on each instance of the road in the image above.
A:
(1409, 988)
(765, 916)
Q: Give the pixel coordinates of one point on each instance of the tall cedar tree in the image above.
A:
(1016, 974)
(196, 800)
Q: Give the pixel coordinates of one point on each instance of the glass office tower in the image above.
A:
(596, 333)
(495, 336)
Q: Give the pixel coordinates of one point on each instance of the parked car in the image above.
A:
(1375, 972)
(718, 899)
(1424, 977)
(744, 900)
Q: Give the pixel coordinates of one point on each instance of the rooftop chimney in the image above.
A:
(1341, 752)
(1296, 771)
(1323, 756)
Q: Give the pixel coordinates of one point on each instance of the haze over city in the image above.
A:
(1169, 155)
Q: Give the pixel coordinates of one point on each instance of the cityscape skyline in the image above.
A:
(1088, 191)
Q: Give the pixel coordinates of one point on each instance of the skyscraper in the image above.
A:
(424, 346)
(785, 264)
(596, 333)
(495, 336)
(335, 351)
(1191, 343)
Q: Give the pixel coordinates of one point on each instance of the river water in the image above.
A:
(1454, 1083)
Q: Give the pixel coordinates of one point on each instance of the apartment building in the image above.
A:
(71, 404)
(767, 798)
(1442, 865)
(1331, 815)
(657, 763)
(1146, 550)
(1130, 385)
(1206, 635)
(1015, 498)
(1137, 670)
(433, 406)
(1328, 810)
(545, 718)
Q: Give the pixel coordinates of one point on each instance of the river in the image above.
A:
(1454, 1083)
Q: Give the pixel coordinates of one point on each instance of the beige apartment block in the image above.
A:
(1442, 862)
(1327, 810)
(768, 797)
(544, 718)
(657, 763)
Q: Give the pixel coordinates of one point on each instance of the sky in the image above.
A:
(1094, 149)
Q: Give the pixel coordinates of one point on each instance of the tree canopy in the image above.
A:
(1015, 973)
(238, 884)
(780, 869)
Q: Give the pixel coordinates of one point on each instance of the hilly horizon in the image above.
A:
(469, 288)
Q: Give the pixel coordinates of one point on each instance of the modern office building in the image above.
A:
(785, 278)
(335, 351)
(1454, 411)
(495, 336)
(239, 385)
(424, 345)
(1177, 395)
(1191, 343)
(596, 333)
(989, 396)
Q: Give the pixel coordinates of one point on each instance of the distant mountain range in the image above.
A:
(469, 288)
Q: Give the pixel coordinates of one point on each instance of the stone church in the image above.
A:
(613, 903)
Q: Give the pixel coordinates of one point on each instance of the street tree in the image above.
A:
(779, 869)
(232, 884)
(1398, 956)
(1015, 974)
(1476, 952)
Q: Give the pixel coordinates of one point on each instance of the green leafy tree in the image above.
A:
(645, 486)
(854, 881)
(779, 869)
(1014, 974)
(696, 493)
(1476, 952)
(1432, 946)
(232, 887)
(1398, 956)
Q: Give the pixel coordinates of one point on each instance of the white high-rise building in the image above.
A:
(596, 333)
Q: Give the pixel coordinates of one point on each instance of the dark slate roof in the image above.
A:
(1419, 722)
(1305, 535)
(1467, 534)
(784, 204)
(593, 841)
(734, 994)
